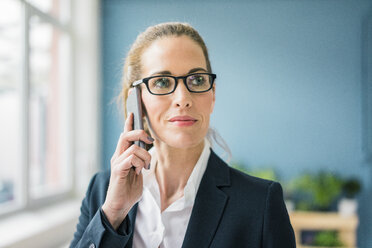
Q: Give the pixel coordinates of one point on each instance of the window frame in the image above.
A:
(26, 202)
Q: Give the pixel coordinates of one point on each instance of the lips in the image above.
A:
(183, 121)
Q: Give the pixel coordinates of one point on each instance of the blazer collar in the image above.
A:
(209, 204)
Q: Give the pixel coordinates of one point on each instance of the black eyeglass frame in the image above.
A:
(146, 82)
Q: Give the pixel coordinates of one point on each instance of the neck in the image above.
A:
(174, 169)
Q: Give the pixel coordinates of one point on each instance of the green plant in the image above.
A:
(317, 191)
(351, 187)
(327, 238)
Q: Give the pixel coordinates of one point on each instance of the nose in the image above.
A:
(182, 97)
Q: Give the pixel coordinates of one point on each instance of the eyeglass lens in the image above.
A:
(165, 84)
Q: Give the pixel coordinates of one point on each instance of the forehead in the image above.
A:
(175, 54)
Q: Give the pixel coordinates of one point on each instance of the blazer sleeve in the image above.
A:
(93, 229)
(277, 227)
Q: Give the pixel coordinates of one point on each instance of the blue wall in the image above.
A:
(289, 87)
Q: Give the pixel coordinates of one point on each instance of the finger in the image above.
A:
(121, 146)
(136, 135)
(126, 140)
(122, 169)
(141, 153)
(136, 161)
(138, 164)
(129, 162)
(138, 170)
(128, 126)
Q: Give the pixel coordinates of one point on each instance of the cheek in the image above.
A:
(154, 105)
(207, 105)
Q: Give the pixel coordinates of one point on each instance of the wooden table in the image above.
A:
(345, 225)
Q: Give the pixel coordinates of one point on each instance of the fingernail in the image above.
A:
(150, 138)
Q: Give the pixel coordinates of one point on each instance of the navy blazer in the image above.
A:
(231, 209)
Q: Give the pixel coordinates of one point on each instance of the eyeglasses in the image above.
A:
(164, 85)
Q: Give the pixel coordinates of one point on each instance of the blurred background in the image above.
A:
(293, 103)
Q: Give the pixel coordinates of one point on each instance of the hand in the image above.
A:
(126, 182)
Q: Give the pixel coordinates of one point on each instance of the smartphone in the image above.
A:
(134, 105)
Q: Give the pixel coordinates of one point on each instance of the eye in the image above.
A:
(162, 82)
(197, 80)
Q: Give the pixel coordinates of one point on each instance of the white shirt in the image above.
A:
(166, 229)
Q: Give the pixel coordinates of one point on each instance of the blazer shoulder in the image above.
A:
(247, 179)
(237, 178)
(242, 186)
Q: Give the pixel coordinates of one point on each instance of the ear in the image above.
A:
(130, 91)
(144, 111)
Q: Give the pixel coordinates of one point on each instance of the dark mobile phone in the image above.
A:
(134, 105)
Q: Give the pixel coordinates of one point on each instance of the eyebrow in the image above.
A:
(169, 73)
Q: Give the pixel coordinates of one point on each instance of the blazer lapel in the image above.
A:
(209, 204)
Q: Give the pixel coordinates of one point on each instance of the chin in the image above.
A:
(183, 141)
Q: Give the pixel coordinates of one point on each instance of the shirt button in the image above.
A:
(92, 245)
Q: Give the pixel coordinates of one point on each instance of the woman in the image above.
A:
(180, 193)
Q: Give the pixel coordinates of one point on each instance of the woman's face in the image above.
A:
(169, 114)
